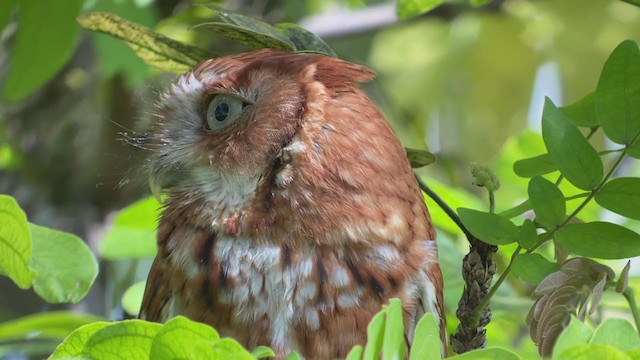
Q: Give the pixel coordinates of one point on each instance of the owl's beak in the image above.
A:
(162, 178)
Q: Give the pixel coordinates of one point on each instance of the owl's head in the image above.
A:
(224, 125)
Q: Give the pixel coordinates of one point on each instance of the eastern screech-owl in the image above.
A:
(292, 214)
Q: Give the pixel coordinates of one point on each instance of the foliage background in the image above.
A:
(466, 83)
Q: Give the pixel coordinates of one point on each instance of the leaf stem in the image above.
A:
(630, 295)
(443, 205)
(492, 201)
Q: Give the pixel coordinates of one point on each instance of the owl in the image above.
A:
(291, 212)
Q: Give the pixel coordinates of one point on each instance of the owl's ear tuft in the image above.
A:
(335, 72)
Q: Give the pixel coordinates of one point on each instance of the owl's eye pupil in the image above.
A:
(221, 112)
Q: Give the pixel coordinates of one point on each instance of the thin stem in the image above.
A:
(492, 201)
(443, 205)
(478, 310)
(630, 295)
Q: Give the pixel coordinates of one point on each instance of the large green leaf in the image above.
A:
(537, 165)
(533, 268)
(592, 351)
(246, 30)
(490, 228)
(576, 159)
(46, 325)
(155, 49)
(228, 348)
(617, 98)
(393, 346)
(618, 333)
(45, 40)
(304, 40)
(547, 201)
(6, 10)
(622, 196)
(73, 344)
(15, 243)
(132, 298)
(426, 339)
(375, 335)
(133, 233)
(178, 339)
(129, 339)
(600, 240)
(64, 265)
(576, 333)
(582, 112)
(410, 8)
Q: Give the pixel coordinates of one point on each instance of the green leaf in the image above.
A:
(575, 333)
(582, 112)
(479, 2)
(577, 160)
(6, 10)
(178, 339)
(293, 356)
(491, 353)
(490, 228)
(73, 344)
(246, 30)
(64, 265)
(533, 166)
(15, 243)
(426, 339)
(393, 346)
(411, 8)
(618, 333)
(128, 339)
(419, 158)
(132, 298)
(375, 335)
(355, 353)
(303, 39)
(622, 196)
(228, 348)
(527, 234)
(617, 98)
(133, 233)
(47, 325)
(155, 49)
(600, 240)
(592, 351)
(265, 352)
(42, 44)
(547, 202)
(533, 268)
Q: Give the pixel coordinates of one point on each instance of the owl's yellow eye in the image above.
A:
(222, 111)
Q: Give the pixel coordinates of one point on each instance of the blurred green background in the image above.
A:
(467, 83)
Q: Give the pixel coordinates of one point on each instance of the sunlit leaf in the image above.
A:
(592, 351)
(410, 8)
(129, 339)
(547, 201)
(228, 348)
(582, 112)
(622, 196)
(600, 240)
(155, 49)
(426, 339)
(6, 10)
(265, 352)
(576, 333)
(375, 334)
(42, 44)
(73, 344)
(15, 243)
(393, 346)
(64, 265)
(487, 354)
(576, 159)
(617, 98)
(178, 337)
(355, 353)
(618, 333)
(133, 233)
(132, 298)
(533, 268)
(46, 325)
(490, 228)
